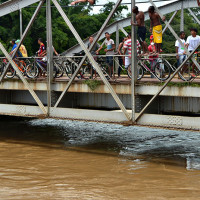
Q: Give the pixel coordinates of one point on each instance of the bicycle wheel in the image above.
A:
(162, 70)
(69, 69)
(186, 72)
(32, 71)
(11, 72)
(140, 71)
(57, 70)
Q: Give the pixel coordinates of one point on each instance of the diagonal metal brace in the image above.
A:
(90, 57)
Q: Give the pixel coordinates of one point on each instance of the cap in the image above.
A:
(17, 41)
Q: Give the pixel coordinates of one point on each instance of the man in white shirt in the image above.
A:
(193, 40)
(180, 50)
(110, 47)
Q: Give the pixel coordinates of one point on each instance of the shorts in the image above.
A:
(141, 33)
(127, 62)
(109, 61)
(180, 60)
(157, 34)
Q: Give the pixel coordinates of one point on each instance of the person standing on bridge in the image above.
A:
(141, 28)
(127, 48)
(83, 1)
(93, 52)
(181, 56)
(156, 27)
(110, 47)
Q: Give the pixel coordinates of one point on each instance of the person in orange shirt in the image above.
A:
(82, 1)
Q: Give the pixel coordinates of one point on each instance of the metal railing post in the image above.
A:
(182, 17)
(21, 23)
(49, 53)
(93, 62)
(133, 61)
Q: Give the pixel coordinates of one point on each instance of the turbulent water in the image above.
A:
(59, 159)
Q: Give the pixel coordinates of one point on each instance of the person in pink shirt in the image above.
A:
(153, 54)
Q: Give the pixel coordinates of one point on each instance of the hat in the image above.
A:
(17, 41)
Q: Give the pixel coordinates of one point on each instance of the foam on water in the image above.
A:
(132, 140)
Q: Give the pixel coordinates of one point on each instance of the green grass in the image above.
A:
(92, 84)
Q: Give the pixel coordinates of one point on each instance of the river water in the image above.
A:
(59, 159)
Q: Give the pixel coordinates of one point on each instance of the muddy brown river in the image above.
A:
(59, 159)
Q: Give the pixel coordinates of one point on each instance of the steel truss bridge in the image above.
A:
(144, 104)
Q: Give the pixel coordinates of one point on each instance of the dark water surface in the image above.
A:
(59, 159)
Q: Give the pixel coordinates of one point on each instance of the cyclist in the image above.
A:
(22, 49)
(14, 46)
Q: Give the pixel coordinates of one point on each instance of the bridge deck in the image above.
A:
(146, 86)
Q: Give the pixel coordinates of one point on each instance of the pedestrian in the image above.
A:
(180, 51)
(193, 40)
(127, 49)
(83, 1)
(110, 47)
(121, 58)
(141, 32)
(198, 2)
(153, 55)
(156, 27)
(94, 52)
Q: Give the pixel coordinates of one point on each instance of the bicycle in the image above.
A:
(160, 70)
(40, 67)
(11, 73)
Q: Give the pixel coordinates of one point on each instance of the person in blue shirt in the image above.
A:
(14, 46)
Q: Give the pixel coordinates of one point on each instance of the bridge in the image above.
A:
(145, 102)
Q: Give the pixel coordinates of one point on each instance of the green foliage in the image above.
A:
(92, 84)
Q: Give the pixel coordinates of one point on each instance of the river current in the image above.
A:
(60, 159)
